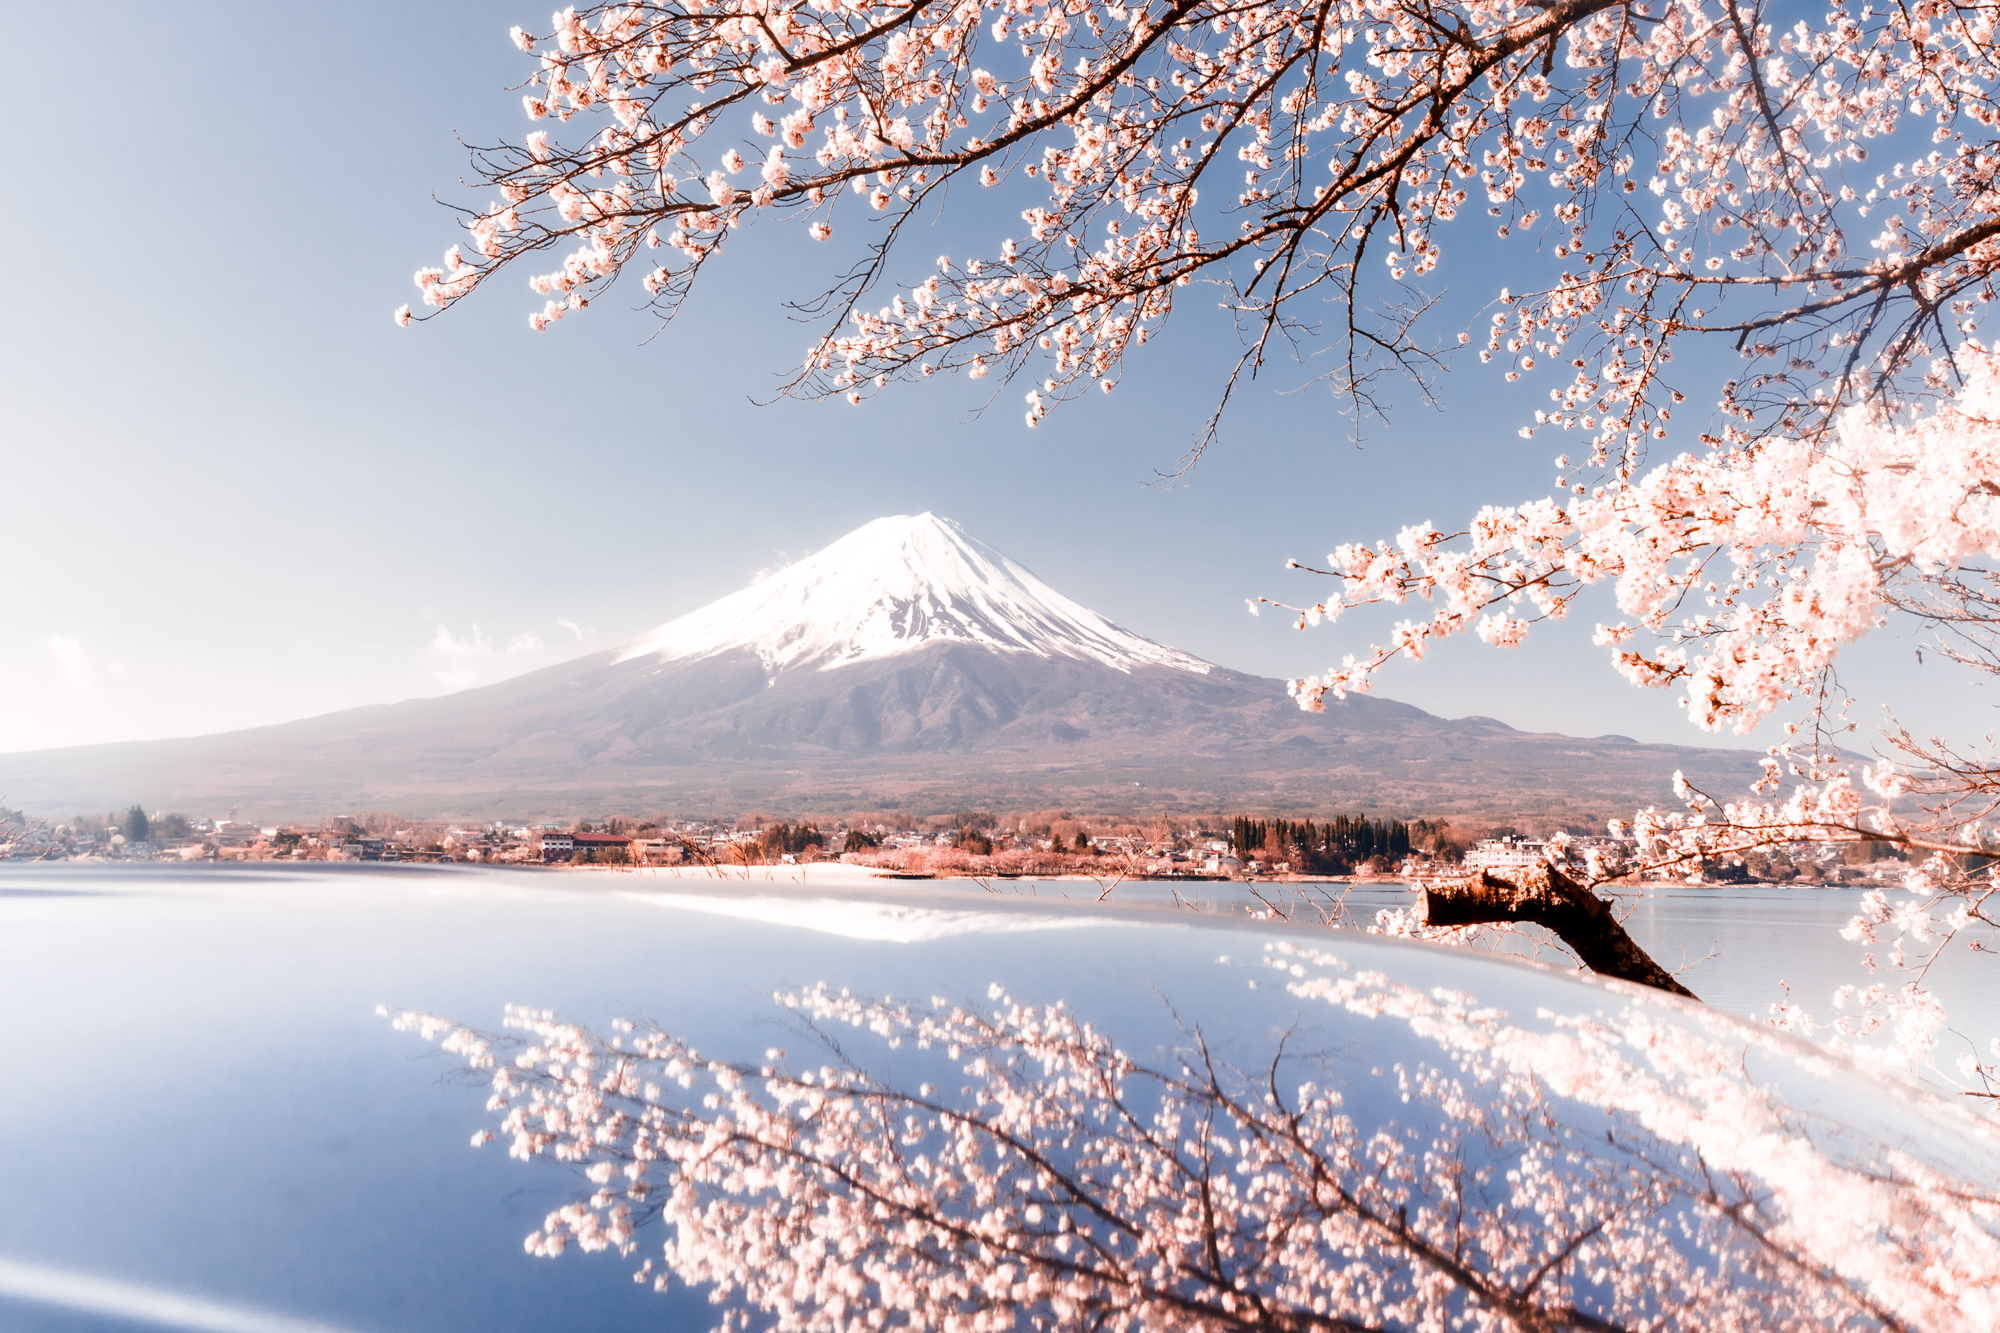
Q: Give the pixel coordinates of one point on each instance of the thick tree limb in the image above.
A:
(1550, 899)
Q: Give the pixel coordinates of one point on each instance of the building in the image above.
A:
(654, 851)
(1504, 854)
(565, 846)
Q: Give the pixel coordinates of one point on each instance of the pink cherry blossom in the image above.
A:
(1618, 1169)
(1816, 191)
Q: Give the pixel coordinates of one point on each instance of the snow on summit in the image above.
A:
(894, 586)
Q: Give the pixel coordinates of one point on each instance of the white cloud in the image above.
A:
(574, 628)
(446, 646)
(85, 672)
(124, 1301)
(453, 657)
(457, 660)
(70, 654)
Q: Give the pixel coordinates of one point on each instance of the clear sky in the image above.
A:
(238, 494)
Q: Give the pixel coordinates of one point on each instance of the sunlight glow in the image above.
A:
(149, 1305)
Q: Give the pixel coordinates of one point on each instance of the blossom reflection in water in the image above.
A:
(1615, 1170)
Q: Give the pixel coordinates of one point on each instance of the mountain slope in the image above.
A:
(905, 664)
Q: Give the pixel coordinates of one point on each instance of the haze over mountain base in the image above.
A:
(905, 666)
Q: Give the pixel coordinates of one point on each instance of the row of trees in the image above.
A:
(789, 840)
(133, 824)
(1334, 845)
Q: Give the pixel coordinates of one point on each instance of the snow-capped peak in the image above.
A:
(894, 586)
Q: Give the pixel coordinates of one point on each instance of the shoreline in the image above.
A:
(836, 872)
(839, 871)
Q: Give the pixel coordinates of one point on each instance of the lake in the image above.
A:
(1734, 945)
(208, 1127)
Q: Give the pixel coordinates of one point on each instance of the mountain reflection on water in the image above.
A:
(206, 1106)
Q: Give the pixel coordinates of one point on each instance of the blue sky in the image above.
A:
(241, 495)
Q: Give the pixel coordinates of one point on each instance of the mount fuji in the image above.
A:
(907, 664)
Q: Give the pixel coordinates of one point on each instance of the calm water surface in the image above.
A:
(1736, 946)
(207, 1127)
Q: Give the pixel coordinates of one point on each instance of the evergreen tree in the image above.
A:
(135, 826)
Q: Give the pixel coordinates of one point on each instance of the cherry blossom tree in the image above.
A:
(1622, 1171)
(1742, 574)
(1812, 193)
(1693, 168)
(1749, 140)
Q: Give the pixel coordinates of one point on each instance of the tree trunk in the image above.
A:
(1550, 899)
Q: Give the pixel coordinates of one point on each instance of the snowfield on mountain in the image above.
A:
(895, 586)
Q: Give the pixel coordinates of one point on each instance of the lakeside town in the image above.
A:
(971, 843)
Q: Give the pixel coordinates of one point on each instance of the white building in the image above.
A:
(1504, 854)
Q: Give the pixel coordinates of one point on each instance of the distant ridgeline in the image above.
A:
(1333, 846)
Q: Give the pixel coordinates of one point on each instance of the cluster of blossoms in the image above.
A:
(1894, 1020)
(1742, 574)
(1949, 898)
(1751, 567)
(1619, 1171)
(1673, 152)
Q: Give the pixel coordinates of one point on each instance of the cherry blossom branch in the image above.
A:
(1401, 98)
(1061, 1184)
